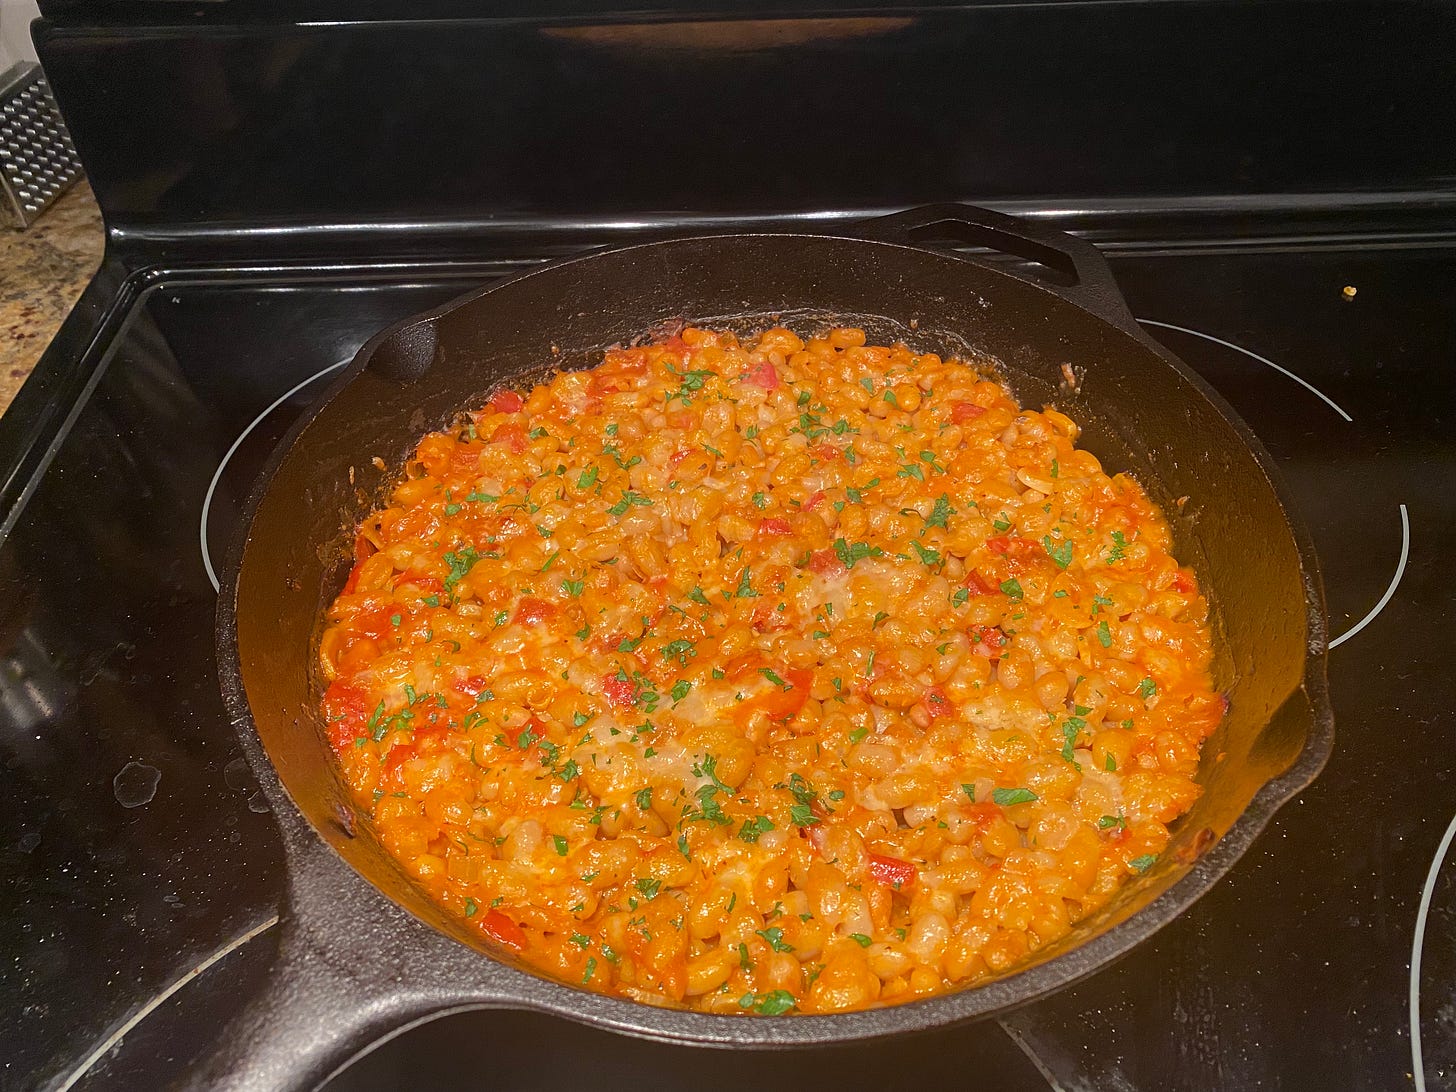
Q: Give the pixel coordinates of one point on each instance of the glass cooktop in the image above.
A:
(144, 872)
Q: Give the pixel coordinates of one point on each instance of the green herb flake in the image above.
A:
(772, 676)
(644, 798)
(560, 843)
(745, 589)
(471, 906)
(860, 939)
(1119, 547)
(969, 790)
(850, 553)
(1147, 688)
(941, 513)
(460, 562)
(1104, 635)
(755, 828)
(1012, 588)
(773, 1003)
(1143, 863)
(1061, 554)
(775, 937)
(1006, 797)
(927, 557)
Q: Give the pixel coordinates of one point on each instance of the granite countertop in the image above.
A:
(42, 272)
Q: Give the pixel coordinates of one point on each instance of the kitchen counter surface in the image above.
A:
(42, 272)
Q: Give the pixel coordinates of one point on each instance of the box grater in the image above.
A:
(37, 160)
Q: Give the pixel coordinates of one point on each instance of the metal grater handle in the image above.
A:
(37, 160)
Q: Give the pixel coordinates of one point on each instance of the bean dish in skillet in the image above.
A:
(769, 677)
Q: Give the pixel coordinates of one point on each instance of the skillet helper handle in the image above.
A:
(342, 981)
(1075, 269)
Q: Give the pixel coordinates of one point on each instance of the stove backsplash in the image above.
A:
(214, 117)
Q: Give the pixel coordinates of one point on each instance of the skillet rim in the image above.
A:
(517, 988)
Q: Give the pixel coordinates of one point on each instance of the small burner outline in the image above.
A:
(1305, 383)
(1390, 588)
(222, 465)
(1418, 1064)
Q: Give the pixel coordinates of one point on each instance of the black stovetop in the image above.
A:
(144, 872)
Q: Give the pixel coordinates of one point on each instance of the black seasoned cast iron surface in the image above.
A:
(1141, 410)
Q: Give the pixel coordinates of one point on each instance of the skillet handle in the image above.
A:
(342, 982)
(1067, 264)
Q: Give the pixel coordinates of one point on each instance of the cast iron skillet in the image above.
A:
(364, 954)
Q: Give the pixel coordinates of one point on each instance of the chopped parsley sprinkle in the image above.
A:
(1104, 635)
(941, 513)
(775, 937)
(860, 939)
(1012, 588)
(1143, 863)
(629, 498)
(1147, 688)
(560, 843)
(755, 828)
(772, 676)
(1059, 553)
(1006, 797)
(927, 556)
(849, 553)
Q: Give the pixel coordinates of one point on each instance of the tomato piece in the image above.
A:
(825, 563)
(394, 766)
(892, 872)
(678, 456)
(1183, 584)
(503, 930)
(532, 611)
(764, 375)
(680, 419)
(816, 498)
(507, 401)
(978, 585)
(512, 434)
(346, 711)
(472, 686)
(425, 585)
(466, 457)
(937, 703)
(619, 692)
(773, 525)
(375, 623)
(988, 641)
(780, 704)
(825, 452)
(961, 412)
(352, 583)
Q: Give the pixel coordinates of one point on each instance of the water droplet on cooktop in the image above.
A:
(136, 784)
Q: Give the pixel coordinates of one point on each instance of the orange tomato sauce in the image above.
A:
(770, 676)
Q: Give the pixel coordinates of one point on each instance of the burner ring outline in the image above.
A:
(222, 465)
(1305, 383)
(1418, 1064)
(1390, 588)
